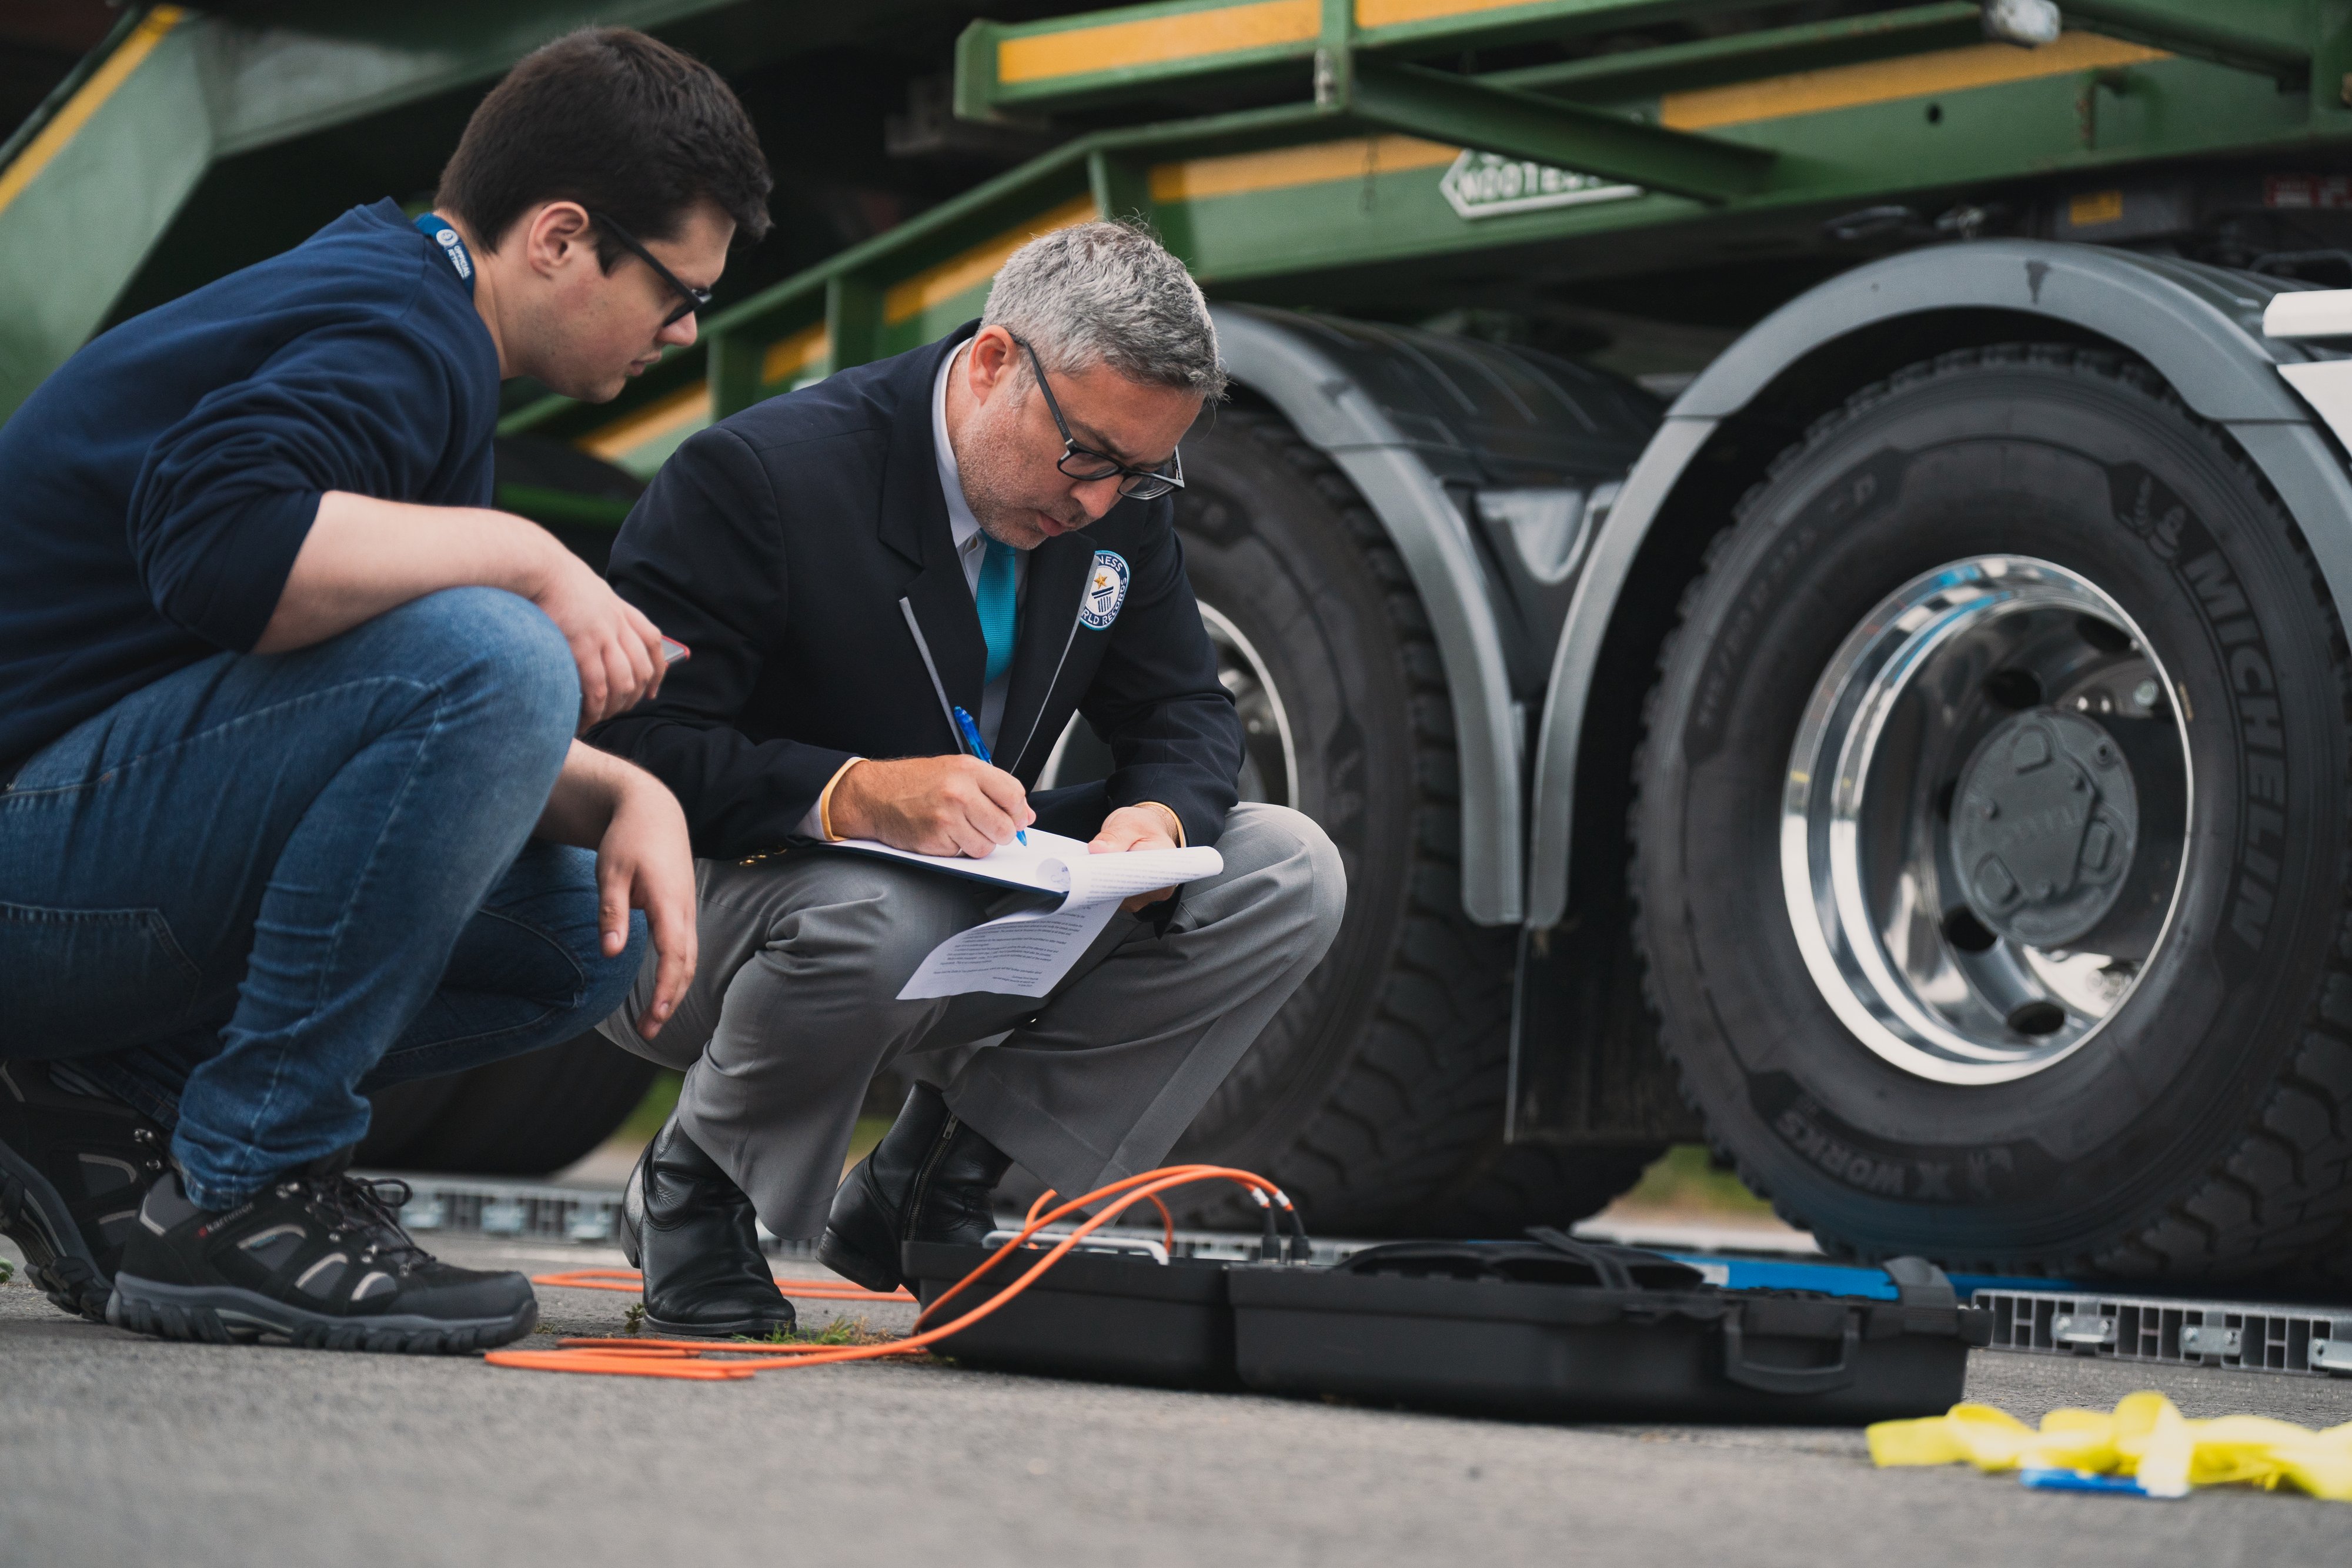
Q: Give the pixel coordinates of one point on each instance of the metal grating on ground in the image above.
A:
(2309, 1341)
(470, 1206)
(476, 1206)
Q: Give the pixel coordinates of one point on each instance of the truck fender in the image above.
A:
(2199, 327)
(1282, 363)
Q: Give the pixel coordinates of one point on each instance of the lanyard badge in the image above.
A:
(433, 226)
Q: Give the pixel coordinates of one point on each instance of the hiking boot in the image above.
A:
(932, 1178)
(687, 1225)
(318, 1259)
(73, 1170)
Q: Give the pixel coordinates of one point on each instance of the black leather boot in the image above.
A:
(929, 1179)
(689, 1228)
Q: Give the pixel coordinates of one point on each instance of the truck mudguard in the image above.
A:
(1435, 432)
(1274, 358)
(2199, 327)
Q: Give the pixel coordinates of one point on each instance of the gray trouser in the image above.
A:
(794, 1008)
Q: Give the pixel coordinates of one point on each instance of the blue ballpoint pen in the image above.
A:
(980, 749)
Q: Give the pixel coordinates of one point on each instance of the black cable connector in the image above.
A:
(1300, 1252)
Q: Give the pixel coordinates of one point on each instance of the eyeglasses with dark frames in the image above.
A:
(696, 298)
(1135, 484)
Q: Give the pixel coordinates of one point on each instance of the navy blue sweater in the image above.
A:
(154, 490)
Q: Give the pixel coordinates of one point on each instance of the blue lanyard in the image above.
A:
(433, 226)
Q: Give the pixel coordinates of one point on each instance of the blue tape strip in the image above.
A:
(2088, 1480)
(1836, 1279)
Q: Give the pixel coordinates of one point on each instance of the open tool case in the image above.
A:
(1115, 1317)
(1556, 1327)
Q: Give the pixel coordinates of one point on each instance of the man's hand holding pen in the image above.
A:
(962, 805)
(931, 805)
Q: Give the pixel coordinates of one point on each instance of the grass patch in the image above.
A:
(840, 1331)
(1685, 1180)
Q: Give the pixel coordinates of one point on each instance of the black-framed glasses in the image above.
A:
(696, 298)
(1135, 484)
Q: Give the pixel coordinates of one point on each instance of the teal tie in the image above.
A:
(994, 601)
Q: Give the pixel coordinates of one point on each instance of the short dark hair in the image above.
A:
(619, 122)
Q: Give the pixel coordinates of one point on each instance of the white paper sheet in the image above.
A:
(1026, 954)
(1039, 864)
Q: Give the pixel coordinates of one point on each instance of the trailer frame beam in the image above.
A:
(1441, 107)
(2189, 28)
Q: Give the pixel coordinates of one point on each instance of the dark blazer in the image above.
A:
(777, 544)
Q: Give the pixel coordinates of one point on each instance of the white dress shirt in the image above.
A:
(971, 544)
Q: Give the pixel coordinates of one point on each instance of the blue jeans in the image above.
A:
(265, 884)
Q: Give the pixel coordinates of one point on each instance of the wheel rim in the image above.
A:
(1269, 755)
(1983, 825)
(1270, 760)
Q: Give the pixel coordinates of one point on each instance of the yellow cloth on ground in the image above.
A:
(2145, 1437)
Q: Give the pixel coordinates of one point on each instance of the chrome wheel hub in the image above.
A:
(1983, 819)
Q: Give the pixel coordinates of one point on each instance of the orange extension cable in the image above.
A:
(684, 1359)
(1167, 1220)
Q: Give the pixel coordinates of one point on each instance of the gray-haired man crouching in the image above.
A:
(994, 507)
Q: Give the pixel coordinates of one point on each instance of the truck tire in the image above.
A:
(1376, 1095)
(1991, 835)
(529, 1115)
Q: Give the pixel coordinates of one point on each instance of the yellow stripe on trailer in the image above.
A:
(1883, 81)
(961, 274)
(87, 100)
(1388, 12)
(649, 423)
(1805, 92)
(1351, 158)
(786, 357)
(1151, 40)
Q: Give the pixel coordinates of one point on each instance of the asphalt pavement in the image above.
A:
(115, 1449)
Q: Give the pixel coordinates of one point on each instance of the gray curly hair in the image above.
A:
(1109, 294)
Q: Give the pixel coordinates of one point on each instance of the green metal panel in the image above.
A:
(846, 292)
(1837, 158)
(1075, 62)
(1121, 184)
(1341, 194)
(1441, 105)
(545, 506)
(853, 321)
(45, 112)
(313, 66)
(1151, 36)
(1379, 216)
(215, 86)
(74, 233)
(207, 88)
(2273, 38)
(1100, 56)
(1498, 25)
(1629, 74)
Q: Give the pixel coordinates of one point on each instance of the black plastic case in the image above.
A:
(1113, 1318)
(1563, 1329)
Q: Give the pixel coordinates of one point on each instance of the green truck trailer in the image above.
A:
(1799, 550)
